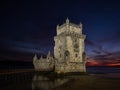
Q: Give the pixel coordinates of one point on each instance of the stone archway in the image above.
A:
(67, 55)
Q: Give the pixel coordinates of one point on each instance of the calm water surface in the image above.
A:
(40, 82)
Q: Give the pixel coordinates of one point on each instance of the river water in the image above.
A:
(34, 81)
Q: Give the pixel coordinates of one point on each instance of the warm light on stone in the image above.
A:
(68, 51)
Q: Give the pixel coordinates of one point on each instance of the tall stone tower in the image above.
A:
(69, 48)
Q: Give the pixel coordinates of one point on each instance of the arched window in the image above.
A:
(60, 55)
(76, 55)
(67, 54)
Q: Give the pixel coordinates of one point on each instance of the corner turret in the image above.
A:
(41, 58)
(48, 55)
(35, 58)
(80, 25)
(67, 21)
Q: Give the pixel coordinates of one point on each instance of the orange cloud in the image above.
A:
(113, 64)
(93, 62)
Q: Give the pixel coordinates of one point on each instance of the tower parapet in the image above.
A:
(69, 48)
(69, 53)
(43, 64)
(69, 27)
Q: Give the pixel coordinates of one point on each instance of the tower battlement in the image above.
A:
(69, 27)
(68, 50)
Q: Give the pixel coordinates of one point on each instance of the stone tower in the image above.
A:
(69, 48)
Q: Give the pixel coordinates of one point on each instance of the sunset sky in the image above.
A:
(28, 27)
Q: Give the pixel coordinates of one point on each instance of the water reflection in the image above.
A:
(108, 75)
(41, 82)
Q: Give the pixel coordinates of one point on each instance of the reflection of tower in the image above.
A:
(42, 82)
(69, 48)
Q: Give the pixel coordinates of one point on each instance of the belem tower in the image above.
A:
(69, 54)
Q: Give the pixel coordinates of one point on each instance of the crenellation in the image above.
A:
(69, 54)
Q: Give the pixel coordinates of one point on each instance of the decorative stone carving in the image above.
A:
(68, 51)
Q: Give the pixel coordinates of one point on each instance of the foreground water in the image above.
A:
(32, 81)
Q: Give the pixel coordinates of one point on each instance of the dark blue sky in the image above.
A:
(28, 27)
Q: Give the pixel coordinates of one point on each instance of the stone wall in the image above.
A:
(68, 51)
(69, 48)
(43, 64)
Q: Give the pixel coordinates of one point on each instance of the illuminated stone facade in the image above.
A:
(43, 64)
(69, 49)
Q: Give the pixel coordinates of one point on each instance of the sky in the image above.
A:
(28, 27)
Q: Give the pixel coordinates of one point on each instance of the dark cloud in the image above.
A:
(92, 44)
(108, 57)
(89, 42)
(30, 27)
(95, 48)
(115, 38)
(96, 52)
